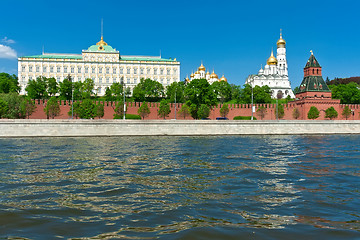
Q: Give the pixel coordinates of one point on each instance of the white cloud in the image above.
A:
(7, 52)
(7, 41)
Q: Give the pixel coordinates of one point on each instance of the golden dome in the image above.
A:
(187, 79)
(197, 72)
(223, 79)
(192, 75)
(281, 41)
(214, 75)
(102, 42)
(272, 60)
(208, 73)
(202, 68)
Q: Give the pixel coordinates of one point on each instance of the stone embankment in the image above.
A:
(82, 128)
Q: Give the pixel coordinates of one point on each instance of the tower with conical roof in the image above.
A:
(313, 84)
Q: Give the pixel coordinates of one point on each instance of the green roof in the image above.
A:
(59, 56)
(313, 84)
(143, 58)
(95, 48)
(312, 62)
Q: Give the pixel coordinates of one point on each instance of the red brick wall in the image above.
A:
(235, 110)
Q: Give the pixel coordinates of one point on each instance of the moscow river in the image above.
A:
(233, 187)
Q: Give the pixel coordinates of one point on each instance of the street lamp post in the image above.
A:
(252, 103)
(175, 102)
(124, 99)
(72, 98)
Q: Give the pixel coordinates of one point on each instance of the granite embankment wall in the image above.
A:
(235, 110)
(72, 128)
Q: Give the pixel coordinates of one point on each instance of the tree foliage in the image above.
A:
(178, 88)
(224, 110)
(347, 93)
(164, 109)
(346, 113)
(9, 83)
(261, 112)
(313, 113)
(66, 88)
(37, 89)
(280, 113)
(3, 107)
(184, 111)
(197, 93)
(52, 108)
(148, 90)
(14, 105)
(27, 107)
(223, 91)
(296, 113)
(119, 110)
(260, 94)
(144, 110)
(204, 111)
(331, 113)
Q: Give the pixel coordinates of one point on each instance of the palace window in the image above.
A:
(168, 80)
(100, 70)
(51, 69)
(100, 79)
(93, 70)
(155, 71)
(121, 70)
(168, 72)
(107, 80)
(79, 70)
(58, 79)
(114, 70)
(37, 69)
(107, 70)
(174, 71)
(72, 70)
(148, 71)
(86, 70)
(128, 81)
(128, 71)
(141, 71)
(135, 70)
(161, 71)
(23, 68)
(135, 80)
(65, 69)
(30, 69)
(44, 69)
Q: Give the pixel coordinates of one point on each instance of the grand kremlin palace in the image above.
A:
(100, 62)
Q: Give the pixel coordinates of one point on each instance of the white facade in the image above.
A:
(101, 63)
(202, 74)
(274, 74)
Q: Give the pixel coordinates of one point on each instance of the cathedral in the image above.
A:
(274, 74)
(202, 74)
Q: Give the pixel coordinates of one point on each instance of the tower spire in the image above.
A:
(102, 28)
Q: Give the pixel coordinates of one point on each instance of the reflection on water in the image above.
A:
(273, 187)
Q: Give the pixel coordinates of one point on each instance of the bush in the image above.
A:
(243, 118)
(127, 116)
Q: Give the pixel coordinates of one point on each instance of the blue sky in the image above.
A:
(232, 37)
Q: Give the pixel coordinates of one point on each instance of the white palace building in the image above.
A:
(274, 74)
(100, 62)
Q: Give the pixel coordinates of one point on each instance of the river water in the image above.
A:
(233, 187)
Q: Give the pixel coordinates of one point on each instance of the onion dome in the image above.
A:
(197, 72)
(281, 42)
(214, 75)
(202, 68)
(192, 75)
(261, 71)
(272, 60)
(187, 79)
(223, 79)
(208, 73)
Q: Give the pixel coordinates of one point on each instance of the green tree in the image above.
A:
(37, 89)
(313, 113)
(261, 112)
(77, 91)
(3, 107)
(76, 109)
(347, 93)
(260, 94)
(52, 86)
(184, 111)
(331, 113)
(14, 101)
(203, 111)
(117, 91)
(87, 109)
(119, 110)
(164, 109)
(108, 94)
(346, 113)
(99, 110)
(280, 111)
(88, 88)
(8, 83)
(66, 88)
(235, 93)
(224, 110)
(144, 110)
(52, 108)
(296, 113)
(148, 90)
(178, 88)
(27, 107)
(222, 91)
(199, 92)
